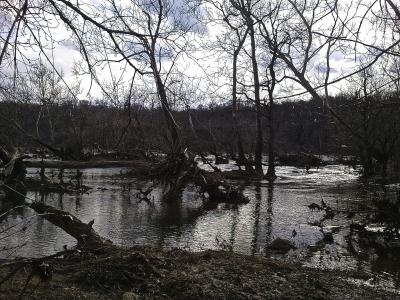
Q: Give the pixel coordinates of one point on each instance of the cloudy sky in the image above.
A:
(196, 57)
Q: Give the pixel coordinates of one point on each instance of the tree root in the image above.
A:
(176, 171)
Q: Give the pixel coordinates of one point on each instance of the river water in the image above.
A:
(279, 210)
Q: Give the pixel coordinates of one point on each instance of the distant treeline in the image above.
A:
(300, 126)
(370, 129)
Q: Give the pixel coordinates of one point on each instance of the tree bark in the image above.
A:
(271, 176)
(86, 236)
(241, 157)
(176, 146)
(257, 99)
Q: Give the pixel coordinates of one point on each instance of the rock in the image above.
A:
(281, 245)
(130, 296)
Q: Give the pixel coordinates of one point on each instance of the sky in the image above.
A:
(203, 66)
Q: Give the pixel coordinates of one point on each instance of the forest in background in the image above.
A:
(216, 77)
(157, 85)
(300, 127)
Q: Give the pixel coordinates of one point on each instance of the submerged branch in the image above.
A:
(86, 236)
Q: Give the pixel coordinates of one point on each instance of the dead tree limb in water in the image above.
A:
(218, 189)
(86, 236)
(176, 171)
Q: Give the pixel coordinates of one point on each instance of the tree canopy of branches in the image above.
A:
(288, 48)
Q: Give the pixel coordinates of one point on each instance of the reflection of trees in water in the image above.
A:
(381, 249)
(262, 229)
(388, 206)
(17, 224)
(174, 218)
(256, 216)
(270, 199)
(60, 202)
(162, 219)
(234, 223)
(169, 220)
(57, 200)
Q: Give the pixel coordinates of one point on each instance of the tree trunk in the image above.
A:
(271, 176)
(171, 124)
(51, 126)
(259, 135)
(241, 157)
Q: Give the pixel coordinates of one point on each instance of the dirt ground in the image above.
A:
(145, 273)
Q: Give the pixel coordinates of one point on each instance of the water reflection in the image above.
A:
(262, 216)
(275, 210)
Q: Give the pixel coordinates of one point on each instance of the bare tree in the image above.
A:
(232, 42)
(270, 84)
(304, 34)
(246, 10)
(148, 36)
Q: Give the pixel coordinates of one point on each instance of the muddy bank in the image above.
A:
(144, 273)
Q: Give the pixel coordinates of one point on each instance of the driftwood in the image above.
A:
(177, 170)
(86, 236)
(218, 189)
(174, 172)
(15, 184)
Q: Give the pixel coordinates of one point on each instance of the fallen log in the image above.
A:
(176, 171)
(218, 189)
(86, 236)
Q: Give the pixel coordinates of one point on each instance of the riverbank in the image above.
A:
(145, 273)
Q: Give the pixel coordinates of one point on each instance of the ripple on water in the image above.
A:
(274, 211)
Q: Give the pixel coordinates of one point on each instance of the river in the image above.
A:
(279, 210)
